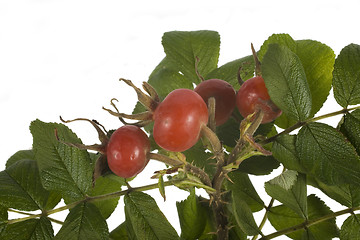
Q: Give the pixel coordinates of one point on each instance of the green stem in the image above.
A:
(263, 221)
(87, 199)
(308, 223)
(300, 124)
(30, 214)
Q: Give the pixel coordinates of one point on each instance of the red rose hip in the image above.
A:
(127, 151)
(224, 94)
(253, 95)
(178, 120)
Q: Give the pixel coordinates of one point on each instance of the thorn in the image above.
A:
(224, 192)
(211, 200)
(228, 178)
(223, 202)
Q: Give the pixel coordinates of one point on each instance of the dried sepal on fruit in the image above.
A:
(125, 152)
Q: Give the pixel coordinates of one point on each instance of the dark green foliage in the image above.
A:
(298, 74)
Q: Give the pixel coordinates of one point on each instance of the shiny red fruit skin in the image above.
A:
(178, 120)
(224, 94)
(253, 95)
(127, 151)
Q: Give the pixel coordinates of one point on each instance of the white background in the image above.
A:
(65, 57)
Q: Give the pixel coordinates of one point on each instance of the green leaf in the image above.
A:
(326, 154)
(192, 217)
(235, 232)
(350, 229)
(281, 39)
(242, 188)
(3, 218)
(259, 165)
(166, 78)
(105, 185)
(119, 233)
(144, 220)
(62, 168)
(210, 226)
(289, 188)
(200, 158)
(282, 217)
(228, 71)
(20, 187)
(53, 198)
(351, 128)
(346, 76)
(20, 155)
(244, 216)
(228, 133)
(318, 62)
(84, 222)
(286, 82)
(182, 48)
(33, 229)
(346, 194)
(284, 151)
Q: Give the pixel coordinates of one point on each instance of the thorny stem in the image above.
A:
(303, 123)
(165, 159)
(92, 199)
(308, 223)
(199, 173)
(217, 182)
